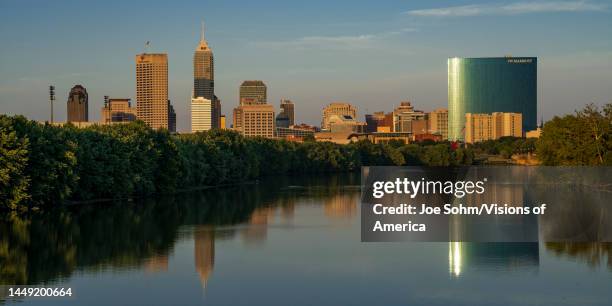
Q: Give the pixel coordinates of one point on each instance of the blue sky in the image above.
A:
(373, 54)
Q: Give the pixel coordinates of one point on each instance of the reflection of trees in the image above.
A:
(42, 247)
(578, 216)
(577, 210)
(593, 253)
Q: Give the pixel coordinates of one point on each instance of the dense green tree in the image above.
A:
(13, 159)
(51, 160)
(584, 138)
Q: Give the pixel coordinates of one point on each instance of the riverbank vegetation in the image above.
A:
(584, 138)
(42, 165)
(45, 165)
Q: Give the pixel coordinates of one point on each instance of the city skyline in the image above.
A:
(405, 47)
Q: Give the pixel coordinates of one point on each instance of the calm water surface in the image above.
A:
(282, 242)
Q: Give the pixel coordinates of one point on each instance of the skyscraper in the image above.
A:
(78, 104)
(200, 114)
(288, 108)
(253, 92)
(488, 85)
(204, 78)
(152, 89)
(203, 70)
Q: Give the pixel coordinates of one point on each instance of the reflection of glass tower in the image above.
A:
(496, 255)
(487, 85)
(506, 186)
(204, 252)
(454, 258)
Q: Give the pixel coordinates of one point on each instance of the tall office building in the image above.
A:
(118, 110)
(152, 89)
(254, 120)
(288, 108)
(488, 85)
(204, 78)
(438, 122)
(481, 127)
(253, 92)
(78, 104)
(201, 111)
(337, 108)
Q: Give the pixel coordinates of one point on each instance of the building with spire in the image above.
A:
(204, 78)
(78, 104)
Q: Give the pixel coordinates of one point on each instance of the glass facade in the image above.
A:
(487, 85)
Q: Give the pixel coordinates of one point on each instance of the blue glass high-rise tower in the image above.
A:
(487, 85)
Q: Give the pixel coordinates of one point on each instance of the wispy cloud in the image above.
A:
(510, 9)
(341, 42)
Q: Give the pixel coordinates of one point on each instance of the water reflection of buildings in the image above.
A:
(492, 255)
(257, 229)
(343, 205)
(288, 209)
(523, 229)
(157, 263)
(204, 251)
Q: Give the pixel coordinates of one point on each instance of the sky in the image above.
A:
(372, 54)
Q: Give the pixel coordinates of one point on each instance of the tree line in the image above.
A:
(45, 165)
(583, 138)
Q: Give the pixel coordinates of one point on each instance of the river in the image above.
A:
(282, 241)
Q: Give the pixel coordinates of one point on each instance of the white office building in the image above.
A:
(201, 114)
